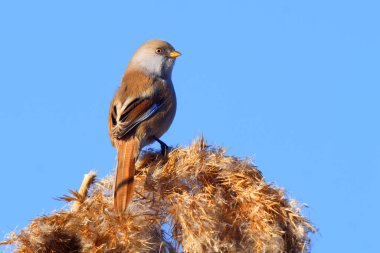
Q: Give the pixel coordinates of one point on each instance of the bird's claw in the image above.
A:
(164, 147)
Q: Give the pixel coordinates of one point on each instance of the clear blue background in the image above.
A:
(292, 84)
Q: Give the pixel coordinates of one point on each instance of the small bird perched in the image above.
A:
(141, 111)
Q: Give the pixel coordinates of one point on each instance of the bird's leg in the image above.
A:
(164, 147)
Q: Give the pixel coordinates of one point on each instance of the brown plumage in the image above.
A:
(141, 111)
(126, 157)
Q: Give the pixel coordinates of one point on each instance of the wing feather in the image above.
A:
(133, 114)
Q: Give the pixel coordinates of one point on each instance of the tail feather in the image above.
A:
(127, 152)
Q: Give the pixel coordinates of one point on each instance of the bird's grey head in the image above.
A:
(155, 58)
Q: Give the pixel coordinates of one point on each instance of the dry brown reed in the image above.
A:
(208, 202)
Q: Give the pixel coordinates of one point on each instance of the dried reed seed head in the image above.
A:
(212, 202)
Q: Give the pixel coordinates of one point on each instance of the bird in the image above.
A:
(141, 111)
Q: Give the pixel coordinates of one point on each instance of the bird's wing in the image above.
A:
(125, 120)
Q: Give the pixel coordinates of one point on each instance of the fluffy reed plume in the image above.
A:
(209, 202)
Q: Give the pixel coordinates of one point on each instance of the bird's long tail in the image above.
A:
(127, 153)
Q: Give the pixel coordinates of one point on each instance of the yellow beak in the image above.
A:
(174, 54)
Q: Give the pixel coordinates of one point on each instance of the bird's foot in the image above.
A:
(164, 147)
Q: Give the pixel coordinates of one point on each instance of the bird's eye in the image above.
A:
(158, 51)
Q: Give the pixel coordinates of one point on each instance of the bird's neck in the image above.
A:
(156, 74)
(133, 73)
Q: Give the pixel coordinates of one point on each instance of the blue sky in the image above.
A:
(292, 84)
